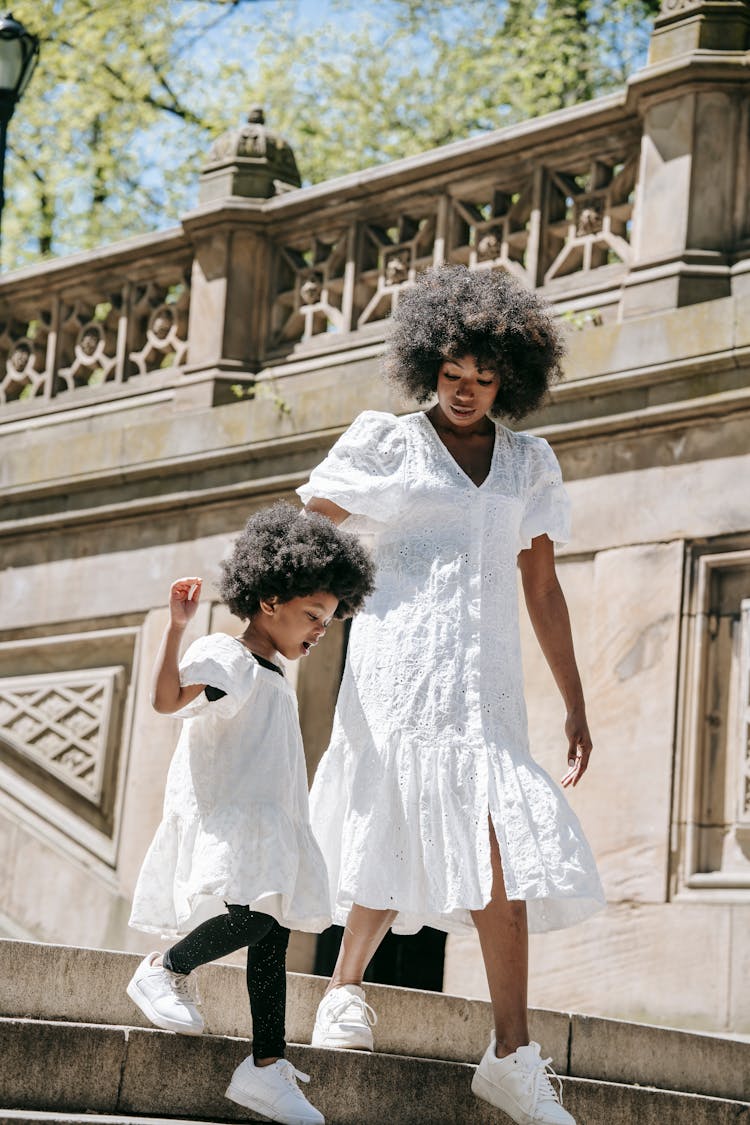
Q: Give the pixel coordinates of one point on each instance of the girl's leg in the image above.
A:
(266, 986)
(363, 933)
(503, 936)
(215, 938)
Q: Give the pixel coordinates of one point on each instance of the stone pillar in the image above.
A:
(691, 212)
(232, 260)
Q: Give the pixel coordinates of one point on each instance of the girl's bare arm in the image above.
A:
(167, 694)
(548, 612)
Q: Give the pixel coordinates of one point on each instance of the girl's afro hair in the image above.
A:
(287, 553)
(452, 312)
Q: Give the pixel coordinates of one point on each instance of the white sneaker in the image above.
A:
(344, 1019)
(273, 1091)
(520, 1085)
(164, 999)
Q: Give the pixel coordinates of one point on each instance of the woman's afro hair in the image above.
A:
(453, 312)
(287, 553)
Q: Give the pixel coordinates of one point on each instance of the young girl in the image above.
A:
(428, 806)
(234, 862)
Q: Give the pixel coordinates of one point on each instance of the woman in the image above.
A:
(427, 805)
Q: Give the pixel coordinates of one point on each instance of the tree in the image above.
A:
(113, 129)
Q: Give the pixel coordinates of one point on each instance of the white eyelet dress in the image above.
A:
(236, 824)
(430, 732)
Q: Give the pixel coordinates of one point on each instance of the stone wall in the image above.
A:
(157, 391)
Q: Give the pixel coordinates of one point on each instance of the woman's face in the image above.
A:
(465, 394)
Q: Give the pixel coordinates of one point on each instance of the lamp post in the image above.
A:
(19, 52)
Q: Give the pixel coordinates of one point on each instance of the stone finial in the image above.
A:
(251, 162)
(683, 26)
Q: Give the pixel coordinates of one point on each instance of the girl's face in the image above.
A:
(294, 627)
(465, 394)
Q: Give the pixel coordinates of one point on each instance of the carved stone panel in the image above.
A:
(493, 230)
(312, 297)
(743, 718)
(588, 217)
(24, 369)
(61, 723)
(394, 250)
(158, 324)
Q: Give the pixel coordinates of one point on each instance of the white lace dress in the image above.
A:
(430, 732)
(236, 824)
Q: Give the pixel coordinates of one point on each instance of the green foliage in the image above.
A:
(261, 391)
(112, 131)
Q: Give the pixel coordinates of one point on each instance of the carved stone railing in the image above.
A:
(615, 205)
(558, 222)
(110, 322)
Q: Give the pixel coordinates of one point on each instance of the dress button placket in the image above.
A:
(474, 695)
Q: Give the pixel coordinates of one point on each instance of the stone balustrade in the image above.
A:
(552, 202)
(95, 325)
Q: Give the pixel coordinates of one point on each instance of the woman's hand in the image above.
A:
(579, 748)
(549, 616)
(184, 595)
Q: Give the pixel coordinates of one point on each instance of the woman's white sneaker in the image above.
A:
(273, 1091)
(521, 1085)
(164, 999)
(344, 1019)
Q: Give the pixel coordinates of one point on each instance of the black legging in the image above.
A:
(266, 967)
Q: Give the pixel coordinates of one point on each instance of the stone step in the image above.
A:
(65, 983)
(71, 1068)
(49, 1117)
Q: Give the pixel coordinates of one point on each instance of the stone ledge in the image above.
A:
(50, 982)
(75, 1067)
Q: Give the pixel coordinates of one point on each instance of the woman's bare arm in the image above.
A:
(548, 612)
(327, 508)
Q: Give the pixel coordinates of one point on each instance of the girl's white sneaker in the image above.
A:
(164, 999)
(521, 1085)
(273, 1091)
(344, 1019)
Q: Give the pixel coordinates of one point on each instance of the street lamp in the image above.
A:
(19, 52)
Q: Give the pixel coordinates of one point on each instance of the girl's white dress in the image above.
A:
(430, 732)
(236, 824)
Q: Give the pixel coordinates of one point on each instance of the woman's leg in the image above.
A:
(503, 936)
(266, 986)
(363, 933)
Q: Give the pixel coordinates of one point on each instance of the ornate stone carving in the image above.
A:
(587, 222)
(92, 329)
(250, 161)
(310, 290)
(590, 215)
(489, 246)
(20, 356)
(671, 7)
(394, 253)
(309, 298)
(491, 229)
(160, 312)
(396, 269)
(61, 723)
(743, 789)
(24, 345)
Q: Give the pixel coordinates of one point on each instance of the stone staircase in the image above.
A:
(74, 1049)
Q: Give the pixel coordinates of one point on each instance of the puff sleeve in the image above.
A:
(217, 661)
(364, 471)
(546, 502)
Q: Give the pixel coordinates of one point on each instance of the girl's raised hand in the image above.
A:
(184, 595)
